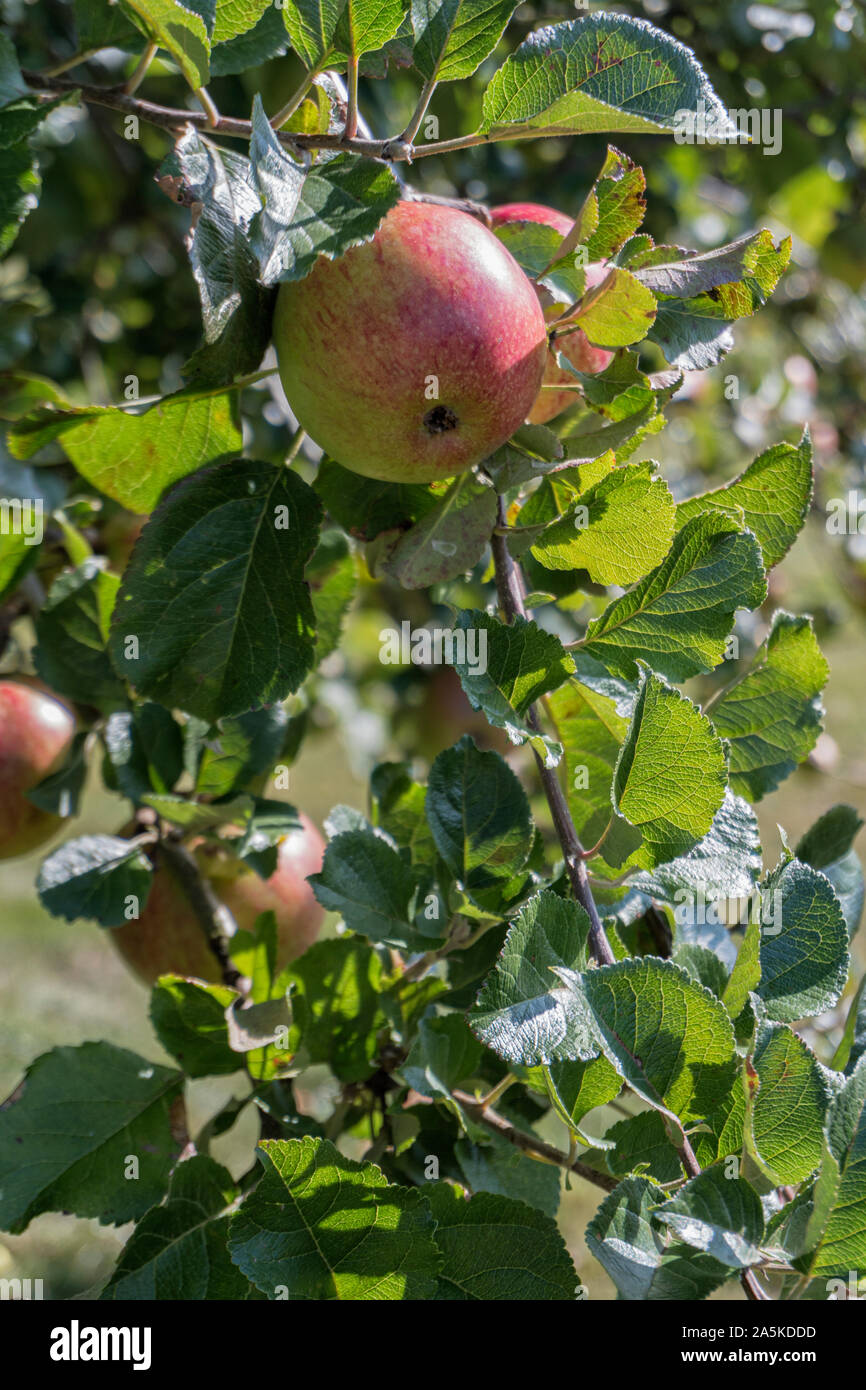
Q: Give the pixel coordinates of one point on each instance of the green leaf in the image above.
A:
(616, 313)
(364, 507)
(772, 715)
(96, 876)
(325, 32)
(852, 1045)
(217, 185)
(695, 333)
(603, 72)
(20, 118)
(221, 559)
(480, 819)
(789, 1109)
(336, 1013)
(99, 25)
(494, 1165)
(443, 1054)
(839, 1215)
(642, 1261)
(72, 633)
(175, 437)
(20, 186)
(399, 810)
(313, 211)
(827, 846)
(718, 1214)
(524, 1012)
(333, 579)
(319, 1226)
(496, 1248)
(448, 540)
(642, 1142)
(176, 29)
(591, 715)
(670, 1039)
(614, 207)
(774, 494)
(515, 665)
(670, 777)
(267, 39)
(804, 944)
(678, 619)
(453, 36)
(575, 1088)
(189, 1018)
(67, 1134)
(726, 863)
(60, 792)
(235, 17)
(178, 1250)
(145, 750)
(365, 879)
(239, 749)
(618, 529)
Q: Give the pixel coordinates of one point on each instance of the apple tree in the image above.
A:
(557, 954)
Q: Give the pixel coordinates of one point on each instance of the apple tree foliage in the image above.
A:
(515, 952)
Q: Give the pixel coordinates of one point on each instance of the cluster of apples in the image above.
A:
(414, 356)
(36, 731)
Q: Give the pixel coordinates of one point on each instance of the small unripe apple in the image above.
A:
(168, 939)
(35, 734)
(583, 354)
(415, 355)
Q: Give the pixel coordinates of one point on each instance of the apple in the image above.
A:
(413, 356)
(168, 939)
(583, 354)
(36, 731)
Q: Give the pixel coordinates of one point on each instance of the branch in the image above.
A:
(175, 118)
(530, 1143)
(215, 919)
(510, 591)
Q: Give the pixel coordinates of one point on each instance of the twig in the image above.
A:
(175, 118)
(215, 919)
(508, 587)
(530, 1143)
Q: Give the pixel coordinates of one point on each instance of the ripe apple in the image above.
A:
(35, 733)
(415, 355)
(167, 937)
(583, 354)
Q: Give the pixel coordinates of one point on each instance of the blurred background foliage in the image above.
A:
(97, 289)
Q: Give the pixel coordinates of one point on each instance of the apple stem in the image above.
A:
(509, 586)
(295, 447)
(137, 77)
(409, 134)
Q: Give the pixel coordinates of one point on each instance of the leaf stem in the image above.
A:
(295, 447)
(136, 78)
(294, 101)
(351, 128)
(209, 107)
(420, 111)
(510, 590)
(77, 58)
